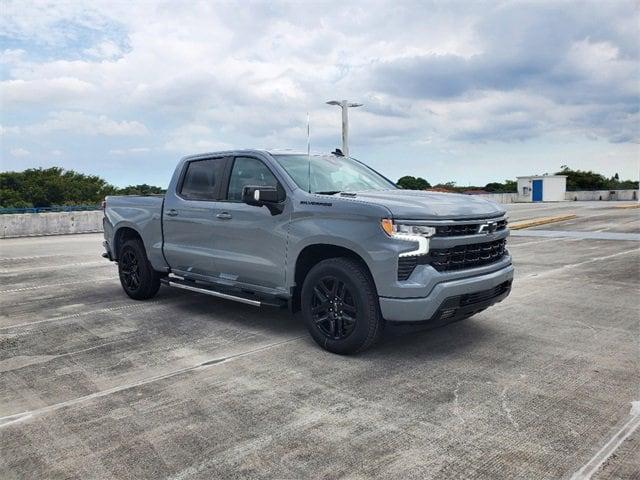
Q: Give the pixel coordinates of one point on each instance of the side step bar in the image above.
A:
(200, 288)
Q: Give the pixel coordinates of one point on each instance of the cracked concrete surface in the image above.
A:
(95, 385)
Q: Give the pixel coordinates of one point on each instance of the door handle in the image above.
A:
(224, 216)
(172, 213)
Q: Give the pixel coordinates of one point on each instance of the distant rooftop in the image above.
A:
(543, 175)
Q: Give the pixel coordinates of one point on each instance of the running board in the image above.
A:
(199, 288)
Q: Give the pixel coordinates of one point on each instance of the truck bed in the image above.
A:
(135, 208)
(143, 213)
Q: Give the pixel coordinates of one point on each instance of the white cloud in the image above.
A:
(50, 91)
(86, 124)
(126, 151)
(12, 56)
(11, 130)
(19, 152)
(194, 138)
(44, 22)
(105, 50)
(433, 77)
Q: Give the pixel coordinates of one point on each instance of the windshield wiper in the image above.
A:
(328, 192)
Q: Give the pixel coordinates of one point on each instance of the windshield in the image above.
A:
(330, 174)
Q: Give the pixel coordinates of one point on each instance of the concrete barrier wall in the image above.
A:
(500, 197)
(597, 195)
(59, 223)
(52, 223)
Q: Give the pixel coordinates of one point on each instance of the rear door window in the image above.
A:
(202, 179)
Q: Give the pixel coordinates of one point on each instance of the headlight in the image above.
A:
(411, 233)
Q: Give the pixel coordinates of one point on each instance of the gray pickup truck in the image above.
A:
(324, 235)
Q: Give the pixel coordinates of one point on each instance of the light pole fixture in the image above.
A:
(345, 105)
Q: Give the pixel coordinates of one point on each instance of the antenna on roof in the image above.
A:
(309, 152)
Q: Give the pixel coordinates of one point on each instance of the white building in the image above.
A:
(542, 188)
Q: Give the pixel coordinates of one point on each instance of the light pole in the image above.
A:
(345, 105)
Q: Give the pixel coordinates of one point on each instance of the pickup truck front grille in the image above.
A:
(455, 258)
(467, 256)
(456, 230)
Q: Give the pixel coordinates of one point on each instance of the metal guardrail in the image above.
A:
(55, 208)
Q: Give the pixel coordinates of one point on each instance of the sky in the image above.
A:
(470, 92)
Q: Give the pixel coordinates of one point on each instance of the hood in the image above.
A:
(420, 205)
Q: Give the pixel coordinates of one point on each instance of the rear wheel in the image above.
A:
(340, 306)
(137, 277)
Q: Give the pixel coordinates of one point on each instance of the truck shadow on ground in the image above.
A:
(423, 340)
(427, 341)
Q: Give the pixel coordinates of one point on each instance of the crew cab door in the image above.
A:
(251, 241)
(189, 217)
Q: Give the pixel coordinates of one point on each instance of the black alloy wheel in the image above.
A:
(340, 306)
(130, 270)
(333, 308)
(138, 278)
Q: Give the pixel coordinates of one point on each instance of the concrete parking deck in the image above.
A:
(95, 385)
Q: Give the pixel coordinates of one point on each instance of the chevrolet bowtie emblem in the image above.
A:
(488, 227)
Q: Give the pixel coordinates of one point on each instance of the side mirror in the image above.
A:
(263, 195)
(259, 195)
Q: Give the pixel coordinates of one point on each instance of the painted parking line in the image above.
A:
(56, 285)
(535, 276)
(609, 448)
(53, 267)
(579, 235)
(22, 416)
(534, 222)
(33, 257)
(534, 242)
(81, 314)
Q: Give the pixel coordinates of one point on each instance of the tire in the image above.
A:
(355, 323)
(138, 278)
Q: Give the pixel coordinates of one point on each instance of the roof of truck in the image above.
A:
(274, 151)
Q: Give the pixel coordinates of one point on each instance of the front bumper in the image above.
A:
(452, 299)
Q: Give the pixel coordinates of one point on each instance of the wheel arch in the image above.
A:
(312, 254)
(121, 235)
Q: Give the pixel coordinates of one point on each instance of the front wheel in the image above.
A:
(137, 277)
(340, 306)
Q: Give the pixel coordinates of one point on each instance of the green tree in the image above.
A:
(413, 183)
(507, 187)
(627, 185)
(46, 187)
(447, 186)
(142, 189)
(583, 179)
(589, 180)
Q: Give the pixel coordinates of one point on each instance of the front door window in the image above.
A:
(248, 171)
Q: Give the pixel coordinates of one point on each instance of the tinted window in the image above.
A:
(201, 180)
(249, 171)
